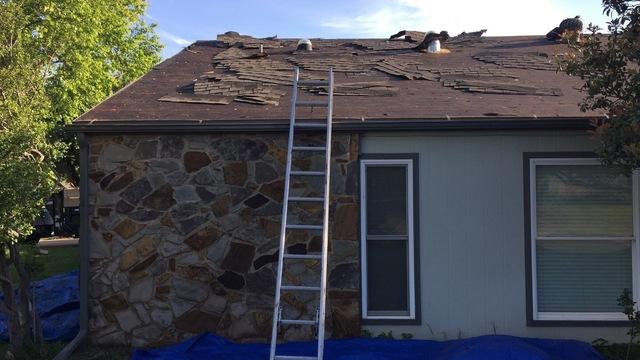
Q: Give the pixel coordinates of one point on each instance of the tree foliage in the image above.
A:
(95, 48)
(26, 175)
(58, 58)
(609, 64)
(629, 309)
(90, 49)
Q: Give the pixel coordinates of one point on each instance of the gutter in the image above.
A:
(345, 125)
(66, 352)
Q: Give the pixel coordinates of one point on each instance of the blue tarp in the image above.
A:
(58, 303)
(494, 347)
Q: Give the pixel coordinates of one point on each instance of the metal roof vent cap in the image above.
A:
(434, 46)
(304, 45)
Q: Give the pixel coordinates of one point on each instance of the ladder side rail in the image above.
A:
(325, 230)
(285, 201)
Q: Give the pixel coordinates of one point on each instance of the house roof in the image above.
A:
(378, 81)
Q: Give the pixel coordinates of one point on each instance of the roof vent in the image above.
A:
(434, 46)
(304, 45)
(432, 42)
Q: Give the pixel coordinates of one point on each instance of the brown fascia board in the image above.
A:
(432, 124)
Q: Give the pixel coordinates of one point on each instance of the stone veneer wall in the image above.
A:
(184, 237)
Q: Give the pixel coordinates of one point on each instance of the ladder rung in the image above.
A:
(310, 125)
(311, 103)
(304, 227)
(299, 288)
(313, 82)
(309, 148)
(297, 322)
(307, 173)
(303, 256)
(305, 199)
(294, 357)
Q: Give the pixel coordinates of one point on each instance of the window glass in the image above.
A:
(387, 240)
(582, 276)
(387, 275)
(583, 200)
(386, 200)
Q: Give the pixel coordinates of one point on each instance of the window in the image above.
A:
(583, 239)
(387, 211)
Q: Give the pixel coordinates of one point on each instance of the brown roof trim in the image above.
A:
(465, 124)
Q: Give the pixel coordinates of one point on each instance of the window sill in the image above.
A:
(572, 322)
(388, 320)
(576, 316)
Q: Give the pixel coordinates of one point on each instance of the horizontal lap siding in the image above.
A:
(472, 245)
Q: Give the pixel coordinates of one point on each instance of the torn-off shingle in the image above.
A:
(352, 64)
(528, 60)
(378, 45)
(248, 42)
(409, 70)
(231, 53)
(364, 88)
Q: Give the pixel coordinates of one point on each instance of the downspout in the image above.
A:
(84, 251)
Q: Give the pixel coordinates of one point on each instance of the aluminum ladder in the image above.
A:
(321, 288)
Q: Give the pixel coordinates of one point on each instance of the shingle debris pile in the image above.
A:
(379, 45)
(409, 35)
(529, 60)
(490, 81)
(340, 63)
(467, 39)
(405, 68)
(259, 71)
(231, 38)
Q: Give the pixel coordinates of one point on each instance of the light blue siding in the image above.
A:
(472, 245)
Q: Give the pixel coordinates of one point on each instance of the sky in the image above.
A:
(181, 22)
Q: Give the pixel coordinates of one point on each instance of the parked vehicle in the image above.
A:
(59, 217)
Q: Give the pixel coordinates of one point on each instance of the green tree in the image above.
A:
(26, 175)
(609, 64)
(58, 58)
(90, 49)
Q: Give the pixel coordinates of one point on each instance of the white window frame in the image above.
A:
(635, 255)
(408, 164)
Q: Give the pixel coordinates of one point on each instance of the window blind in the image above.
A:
(581, 274)
(583, 200)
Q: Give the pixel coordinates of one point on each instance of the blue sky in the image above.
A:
(180, 22)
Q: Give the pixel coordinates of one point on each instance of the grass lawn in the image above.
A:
(57, 260)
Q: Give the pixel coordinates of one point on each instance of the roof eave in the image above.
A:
(433, 124)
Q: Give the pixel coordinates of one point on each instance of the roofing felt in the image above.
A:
(229, 80)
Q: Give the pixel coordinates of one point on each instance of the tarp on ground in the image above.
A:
(58, 303)
(493, 347)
